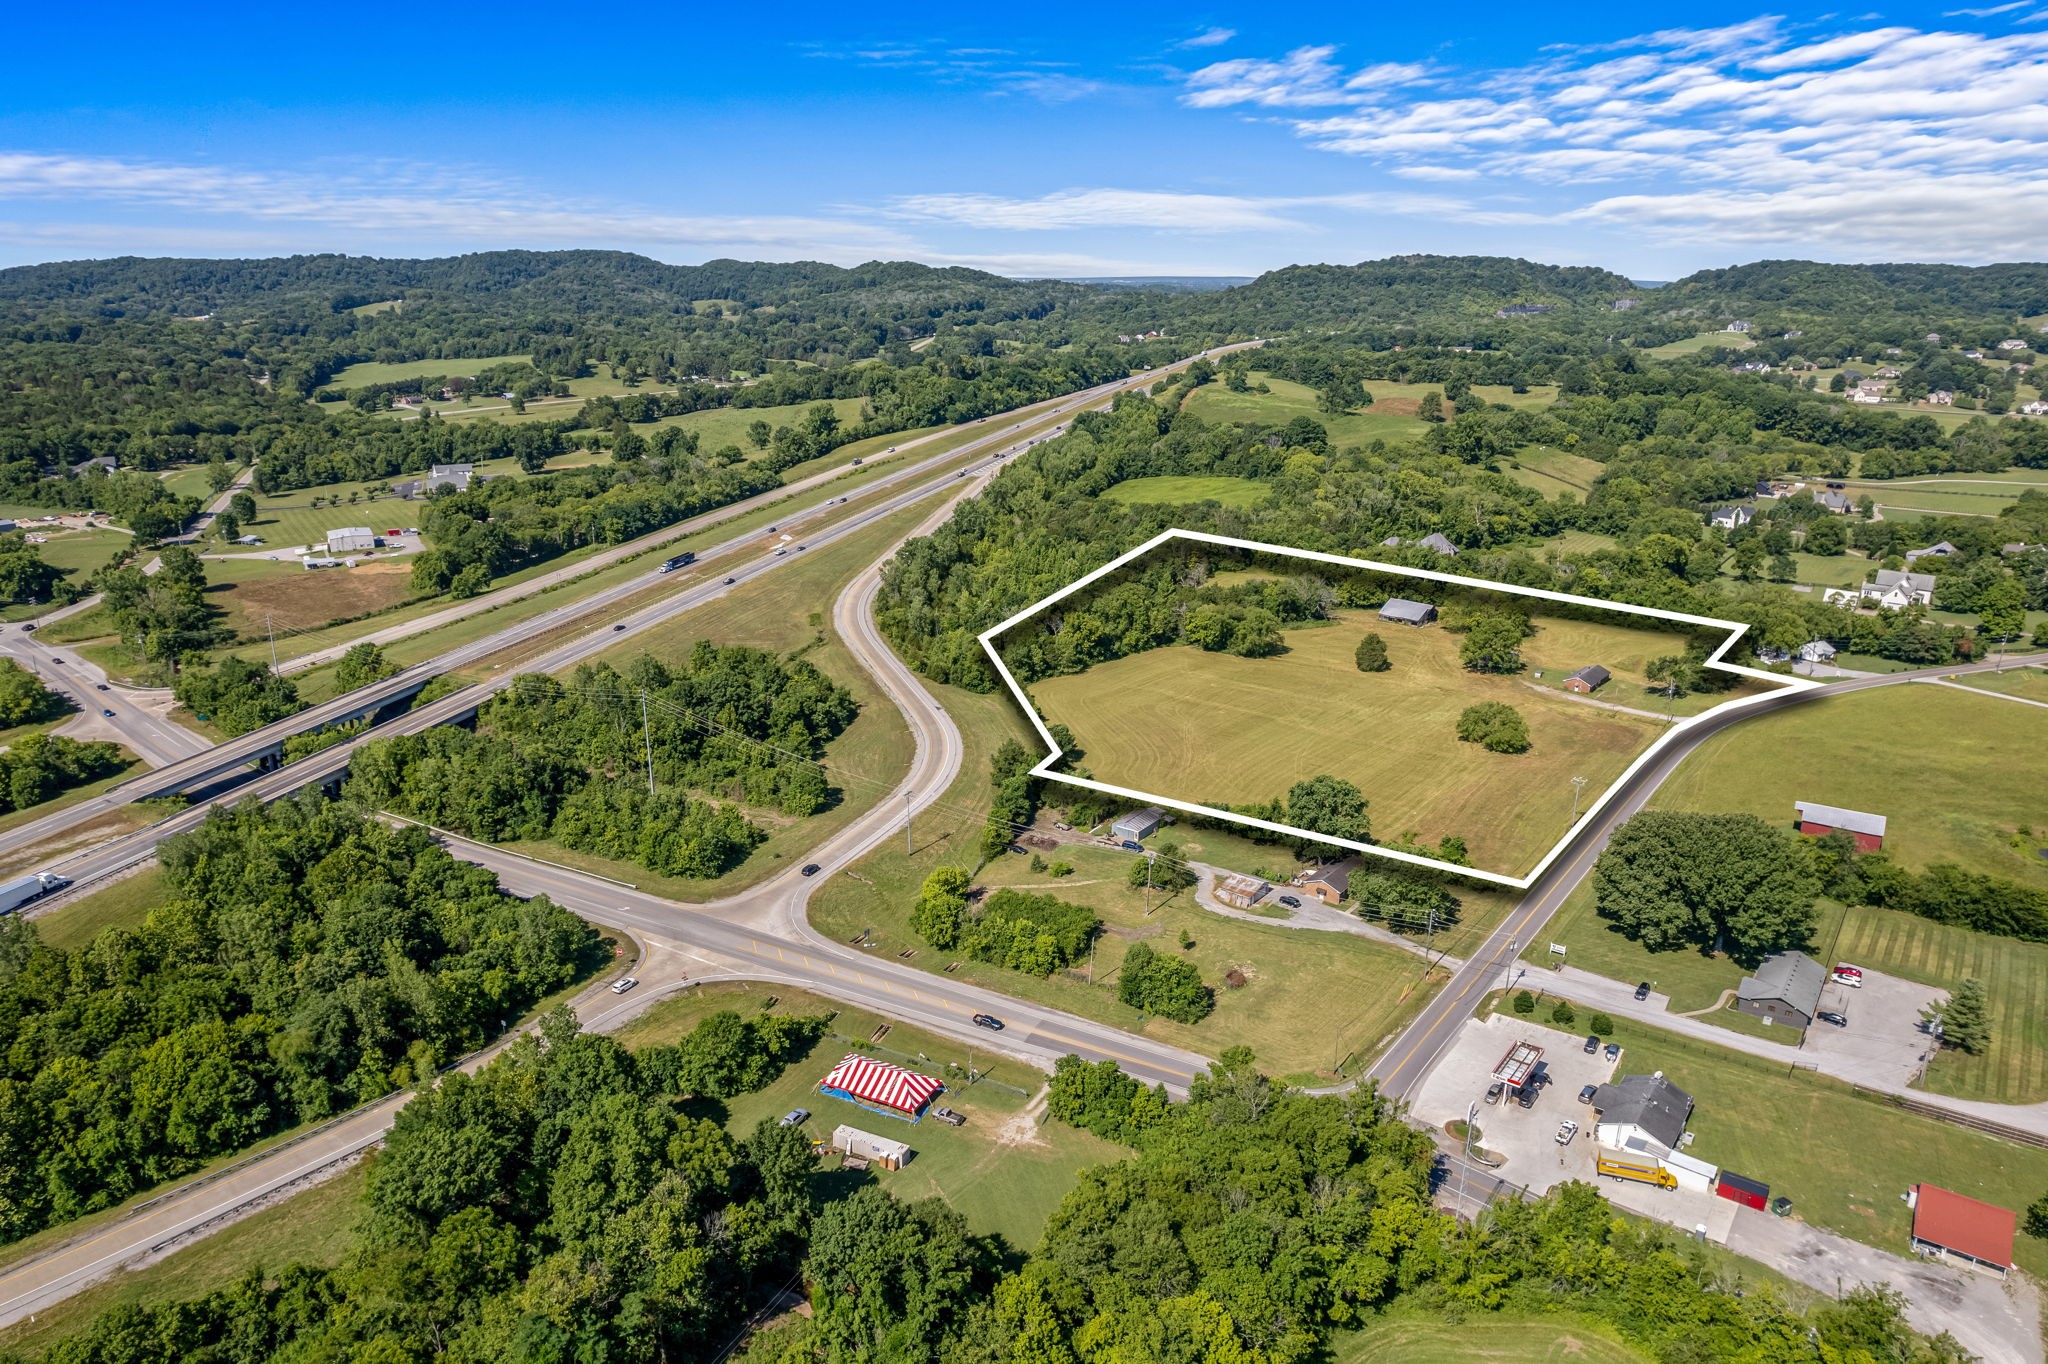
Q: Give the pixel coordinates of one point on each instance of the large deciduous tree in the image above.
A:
(1673, 879)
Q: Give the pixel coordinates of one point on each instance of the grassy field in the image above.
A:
(1853, 1155)
(373, 372)
(315, 1227)
(1392, 415)
(1484, 1338)
(1231, 492)
(1551, 472)
(1832, 570)
(1956, 774)
(124, 904)
(721, 426)
(1951, 494)
(1584, 541)
(77, 553)
(2030, 684)
(1206, 726)
(786, 612)
(1003, 1171)
(1691, 344)
(295, 598)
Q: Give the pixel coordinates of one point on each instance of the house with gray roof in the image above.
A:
(1940, 549)
(1434, 540)
(1899, 588)
(1834, 502)
(1643, 1114)
(1404, 612)
(1733, 515)
(1785, 989)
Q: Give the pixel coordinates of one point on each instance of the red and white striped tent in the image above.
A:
(880, 1086)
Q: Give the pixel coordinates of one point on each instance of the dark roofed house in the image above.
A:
(1436, 540)
(1785, 989)
(1330, 883)
(1405, 612)
(1733, 515)
(1941, 549)
(1951, 1224)
(1590, 678)
(1816, 819)
(1645, 1114)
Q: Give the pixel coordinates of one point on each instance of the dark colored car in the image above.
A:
(1128, 846)
(102, 686)
(1586, 1094)
(1643, 991)
(1614, 1051)
(104, 711)
(617, 628)
(1290, 901)
(1833, 1018)
(29, 628)
(1526, 1095)
(810, 868)
(730, 581)
(989, 1021)
(1592, 1044)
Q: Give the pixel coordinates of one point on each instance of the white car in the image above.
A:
(1851, 976)
(1566, 1130)
(623, 984)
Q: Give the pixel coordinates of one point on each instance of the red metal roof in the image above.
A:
(1982, 1231)
(878, 1082)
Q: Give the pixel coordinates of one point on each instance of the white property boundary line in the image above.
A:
(1735, 631)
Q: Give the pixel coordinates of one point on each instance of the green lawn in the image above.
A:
(1955, 774)
(722, 426)
(1842, 1158)
(315, 1227)
(1231, 492)
(1003, 1183)
(1484, 1338)
(1214, 727)
(124, 904)
(1392, 415)
(190, 481)
(1284, 1012)
(77, 553)
(1584, 542)
(2029, 684)
(1551, 472)
(1832, 570)
(1732, 340)
(373, 372)
(1950, 494)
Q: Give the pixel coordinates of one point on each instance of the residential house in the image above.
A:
(1973, 355)
(1733, 515)
(1739, 327)
(1434, 540)
(1942, 397)
(1869, 391)
(1893, 350)
(1932, 338)
(1834, 502)
(1817, 651)
(1785, 989)
(1940, 549)
(1752, 367)
(1889, 371)
(1331, 883)
(1641, 1114)
(2019, 547)
(2012, 343)
(1794, 334)
(1816, 820)
(2035, 408)
(1404, 612)
(1899, 588)
(1587, 680)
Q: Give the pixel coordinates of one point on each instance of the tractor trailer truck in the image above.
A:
(25, 890)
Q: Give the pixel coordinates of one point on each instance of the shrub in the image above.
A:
(1525, 1003)
(1563, 1014)
(1495, 725)
(1600, 1025)
(1372, 655)
(1166, 986)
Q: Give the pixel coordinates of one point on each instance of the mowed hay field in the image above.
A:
(1183, 489)
(292, 597)
(1484, 1338)
(1954, 773)
(1392, 416)
(1212, 727)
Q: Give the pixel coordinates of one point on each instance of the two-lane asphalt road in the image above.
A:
(1401, 1068)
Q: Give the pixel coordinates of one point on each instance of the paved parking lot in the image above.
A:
(1883, 1043)
(1526, 1136)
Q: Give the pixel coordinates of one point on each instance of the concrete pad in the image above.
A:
(1526, 1137)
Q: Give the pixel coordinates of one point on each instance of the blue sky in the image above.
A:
(1053, 139)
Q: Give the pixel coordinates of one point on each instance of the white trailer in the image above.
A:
(24, 890)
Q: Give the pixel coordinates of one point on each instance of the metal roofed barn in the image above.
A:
(1406, 612)
(1785, 989)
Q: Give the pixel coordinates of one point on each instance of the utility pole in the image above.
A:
(1148, 882)
(273, 641)
(647, 740)
(1507, 981)
(1578, 786)
(909, 849)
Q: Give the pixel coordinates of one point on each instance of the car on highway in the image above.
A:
(1829, 1016)
(1566, 1130)
(56, 660)
(780, 552)
(803, 546)
(1587, 1092)
(989, 1021)
(617, 628)
(810, 868)
(29, 628)
(623, 984)
(842, 501)
(104, 711)
(794, 1117)
(1642, 992)
(101, 686)
(1292, 902)
(1851, 976)
(1592, 1044)
(857, 461)
(730, 581)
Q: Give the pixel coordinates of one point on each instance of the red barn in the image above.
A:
(1816, 819)
(1946, 1224)
(1586, 680)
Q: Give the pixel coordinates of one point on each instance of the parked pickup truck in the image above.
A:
(949, 1117)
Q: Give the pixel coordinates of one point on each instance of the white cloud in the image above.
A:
(1214, 37)
(1759, 116)
(1203, 214)
(424, 205)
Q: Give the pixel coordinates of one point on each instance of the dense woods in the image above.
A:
(306, 958)
(732, 728)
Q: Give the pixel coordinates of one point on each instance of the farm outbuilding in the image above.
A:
(1329, 884)
(1240, 892)
(1948, 1224)
(1785, 989)
(1741, 1189)
(1404, 612)
(881, 1087)
(890, 1155)
(351, 540)
(1586, 680)
(1139, 824)
(1816, 819)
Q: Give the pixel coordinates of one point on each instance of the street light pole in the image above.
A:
(1578, 786)
(1508, 972)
